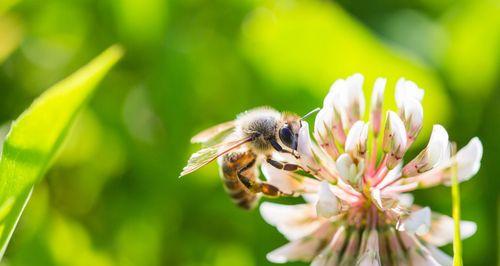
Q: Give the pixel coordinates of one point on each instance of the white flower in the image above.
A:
(358, 210)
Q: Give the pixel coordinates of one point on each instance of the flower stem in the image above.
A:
(455, 195)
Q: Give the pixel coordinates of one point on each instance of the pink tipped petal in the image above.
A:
(396, 250)
(418, 222)
(370, 255)
(355, 98)
(331, 253)
(352, 248)
(412, 115)
(376, 104)
(356, 139)
(432, 155)
(393, 189)
(391, 176)
(328, 204)
(377, 199)
(394, 143)
(418, 254)
(343, 194)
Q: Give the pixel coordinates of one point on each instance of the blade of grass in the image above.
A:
(37, 134)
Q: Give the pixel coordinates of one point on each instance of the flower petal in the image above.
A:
(432, 155)
(328, 203)
(438, 145)
(405, 200)
(418, 254)
(352, 248)
(304, 146)
(357, 138)
(303, 249)
(407, 89)
(293, 221)
(442, 258)
(396, 250)
(394, 143)
(469, 159)
(412, 115)
(441, 230)
(348, 99)
(331, 253)
(355, 98)
(418, 222)
(348, 170)
(370, 255)
(376, 104)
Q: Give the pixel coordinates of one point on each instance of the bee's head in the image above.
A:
(288, 131)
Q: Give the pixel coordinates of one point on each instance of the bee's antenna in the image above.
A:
(310, 113)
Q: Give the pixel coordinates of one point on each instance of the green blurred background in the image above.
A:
(113, 196)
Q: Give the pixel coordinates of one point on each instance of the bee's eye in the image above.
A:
(287, 137)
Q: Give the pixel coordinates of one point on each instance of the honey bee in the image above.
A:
(241, 145)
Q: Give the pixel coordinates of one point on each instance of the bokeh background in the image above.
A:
(113, 196)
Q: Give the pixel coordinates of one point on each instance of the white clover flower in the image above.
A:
(357, 211)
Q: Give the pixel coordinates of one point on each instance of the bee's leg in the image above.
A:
(256, 186)
(284, 166)
(278, 148)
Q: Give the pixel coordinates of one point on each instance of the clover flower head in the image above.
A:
(356, 183)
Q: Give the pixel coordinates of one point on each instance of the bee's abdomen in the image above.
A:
(230, 165)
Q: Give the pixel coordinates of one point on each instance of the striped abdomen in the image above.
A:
(230, 165)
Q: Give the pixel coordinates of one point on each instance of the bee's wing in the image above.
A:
(208, 154)
(209, 134)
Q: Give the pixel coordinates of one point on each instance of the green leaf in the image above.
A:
(37, 134)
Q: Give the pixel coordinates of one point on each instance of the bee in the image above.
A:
(241, 145)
